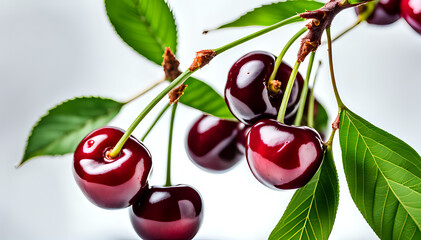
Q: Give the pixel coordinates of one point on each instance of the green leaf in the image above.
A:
(203, 97)
(147, 26)
(267, 15)
(384, 178)
(312, 210)
(64, 126)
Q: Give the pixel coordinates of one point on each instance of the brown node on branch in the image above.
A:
(176, 93)
(170, 65)
(335, 124)
(202, 58)
(320, 20)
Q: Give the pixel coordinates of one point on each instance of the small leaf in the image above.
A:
(201, 96)
(312, 210)
(384, 178)
(147, 26)
(267, 15)
(64, 126)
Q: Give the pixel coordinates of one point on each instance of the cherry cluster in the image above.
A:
(389, 11)
(279, 155)
(169, 212)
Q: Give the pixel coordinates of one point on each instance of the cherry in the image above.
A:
(246, 90)
(411, 12)
(106, 182)
(282, 156)
(168, 213)
(211, 143)
(385, 12)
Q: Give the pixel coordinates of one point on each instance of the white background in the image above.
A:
(53, 50)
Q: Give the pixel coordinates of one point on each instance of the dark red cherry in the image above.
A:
(411, 12)
(211, 143)
(168, 213)
(246, 92)
(282, 156)
(385, 12)
(106, 182)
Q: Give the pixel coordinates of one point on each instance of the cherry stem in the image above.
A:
(287, 93)
(332, 74)
(257, 34)
(168, 180)
(155, 121)
(303, 96)
(180, 79)
(284, 51)
(310, 110)
(146, 90)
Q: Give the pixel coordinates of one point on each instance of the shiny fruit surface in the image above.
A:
(169, 213)
(411, 12)
(211, 143)
(282, 156)
(246, 90)
(106, 182)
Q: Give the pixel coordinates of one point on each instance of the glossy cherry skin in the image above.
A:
(282, 156)
(246, 92)
(385, 12)
(211, 144)
(411, 12)
(168, 213)
(111, 183)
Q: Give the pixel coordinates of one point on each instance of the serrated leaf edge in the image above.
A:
(25, 158)
(148, 27)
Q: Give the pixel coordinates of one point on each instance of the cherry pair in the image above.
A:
(173, 212)
(279, 156)
(389, 11)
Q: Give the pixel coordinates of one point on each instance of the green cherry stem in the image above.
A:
(341, 105)
(168, 180)
(180, 79)
(284, 51)
(293, 19)
(303, 96)
(155, 121)
(287, 93)
(310, 110)
(145, 90)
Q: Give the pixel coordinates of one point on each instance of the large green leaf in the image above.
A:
(384, 178)
(201, 96)
(267, 15)
(147, 26)
(64, 126)
(312, 210)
